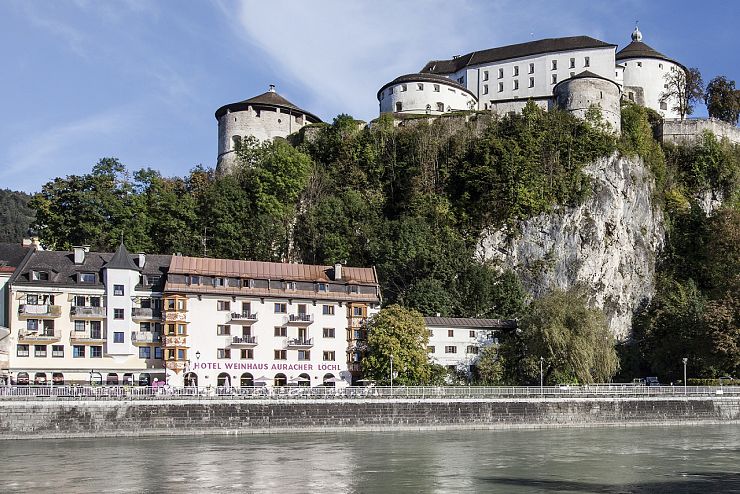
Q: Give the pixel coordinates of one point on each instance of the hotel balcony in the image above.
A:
(41, 336)
(87, 336)
(243, 318)
(244, 341)
(299, 320)
(39, 310)
(145, 337)
(85, 312)
(300, 343)
(146, 314)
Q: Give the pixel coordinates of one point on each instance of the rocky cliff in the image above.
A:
(608, 245)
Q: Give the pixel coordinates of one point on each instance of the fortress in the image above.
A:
(573, 73)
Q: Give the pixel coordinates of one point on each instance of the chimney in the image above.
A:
(337, 271)
(140, 259)
(272, 88)
(80, 251)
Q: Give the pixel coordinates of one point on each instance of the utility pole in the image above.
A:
(542, 381)
(685, 360)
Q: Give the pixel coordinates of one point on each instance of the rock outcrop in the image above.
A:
(608, 245)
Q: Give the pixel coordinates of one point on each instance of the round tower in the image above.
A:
(644, 71)
(582, 91)
(429, 94)
(263, 117)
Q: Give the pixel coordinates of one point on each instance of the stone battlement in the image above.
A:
(688, 130)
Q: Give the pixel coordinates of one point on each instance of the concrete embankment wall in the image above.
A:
(186, 417)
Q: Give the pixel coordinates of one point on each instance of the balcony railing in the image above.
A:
(87, 312)
(31, 310)
(243, 317)
(146, 313)
(40, 335)
(145, 337)
(300, 343)
(300, 319)
(244, 341)
(87, 336)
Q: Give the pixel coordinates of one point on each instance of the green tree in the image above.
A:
(15, 215)
(683, 88)
(399, 332)
(491, 366)
(722, 100)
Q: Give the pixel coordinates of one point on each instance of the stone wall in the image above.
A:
(686, 131)
(36, 419)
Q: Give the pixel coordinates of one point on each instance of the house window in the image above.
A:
(485, 88)
(48, 327)
(516, 84)
(247, 354)
(32, 299)
(117, 313)
(323, 287)
(357, 311)
(587, 62)
(118, 290)
(224, 353)
(554, 78)
(193, 280)
(22, 350)
(281, 355)
(419, 86)
(516, 70)
(158, 352)
(78, 351)
(219, 282)
(485, 75)
(436, 88)
(501, 73)
(531, 82)
(223, 305)
(451, 333)
(328, 310)
(329, 356)
(290, 285)
(554, 65)
(500, 87)
(430, 349)
(145, 352)
(431, 332)
(32, 325)
(472, 349)
(181, 354)
(181, 329)
(57, 351)
(79, 325)
(304, 354)
(87, 277)
(281, 308)
(440, 107)
(531, 68)
(145, 327)
(118, 337)
(451, 349)
(281, 331)
(328, 332)
(223, 330)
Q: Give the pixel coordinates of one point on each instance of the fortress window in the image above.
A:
(572, 74)
(485, 88)
(236, 142)
(531, 68)
(572, 63)
(500, 73)
(440, 107)
(461, 80)
(660, 65)
(436, 88)
(554, 78)
(554, 65)
(639, 64)
(257, 113)
(601, 94)
(403, 87)
(419, 86)
(500, 87)
(516, 70)
(516, 84)
(485, 75)
(587, 62)
(234, 119)
(531, 82)
(663, 105)
(399, 106)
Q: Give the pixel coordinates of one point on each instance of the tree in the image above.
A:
(15, 215)
(722, 100)
(399, 332)
(572, 338)
(490, 366)
(683, 89)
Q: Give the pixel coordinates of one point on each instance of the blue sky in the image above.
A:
(140, 80)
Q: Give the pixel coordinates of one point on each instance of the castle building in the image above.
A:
(572, 72)
(263, 117)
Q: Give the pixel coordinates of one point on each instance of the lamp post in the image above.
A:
(685, 360)
(391, 374)
(542, 381)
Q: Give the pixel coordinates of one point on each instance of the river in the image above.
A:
(613, 460)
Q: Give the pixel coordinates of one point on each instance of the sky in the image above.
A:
(140, 80)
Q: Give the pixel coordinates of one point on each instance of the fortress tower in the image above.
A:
(263, 117)
(578, 93)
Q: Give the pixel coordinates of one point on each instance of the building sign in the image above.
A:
(265, 366)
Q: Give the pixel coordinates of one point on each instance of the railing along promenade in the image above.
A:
(45, 392)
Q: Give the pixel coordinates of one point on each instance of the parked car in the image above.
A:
(652, 381)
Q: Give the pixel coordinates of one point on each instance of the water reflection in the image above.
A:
(629, 460)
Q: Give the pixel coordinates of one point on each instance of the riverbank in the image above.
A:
(175, 417)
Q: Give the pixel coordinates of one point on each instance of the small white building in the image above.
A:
(456, 342)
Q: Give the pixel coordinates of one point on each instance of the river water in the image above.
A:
(702, 459)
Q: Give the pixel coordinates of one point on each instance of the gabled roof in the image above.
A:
(531, 48)
(433, 78)
(469, 322)
(122, 260)
(270, 99)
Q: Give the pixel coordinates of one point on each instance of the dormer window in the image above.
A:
(247, 284)
(87, 277)
(323, 287)
(193, 280)
(153, 279)
(354, 289)
(219, 282)
(40, 275)
(290, 285)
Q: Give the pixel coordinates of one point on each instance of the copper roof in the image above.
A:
(268, 270)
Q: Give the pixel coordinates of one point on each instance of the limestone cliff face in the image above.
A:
(608, 245)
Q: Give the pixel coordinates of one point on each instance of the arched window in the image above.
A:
(191, 379)
(39, 378)
(224, 379)
(111, 379)
(236, 142)
(22, 378)
(128, 379)
(440, 107)
(399, 106)
(247, 380)
(329, 380)
(280, 380)
(304, 380)
(57, 378)
(145, 379)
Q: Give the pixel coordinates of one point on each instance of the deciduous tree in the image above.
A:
(722, 99)
(683, 89)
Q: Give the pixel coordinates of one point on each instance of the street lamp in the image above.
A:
(391, 374)
(542, 360)
(685, 360)
(197, 355)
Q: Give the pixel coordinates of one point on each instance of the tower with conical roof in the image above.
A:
(644, 72)
(263, 117)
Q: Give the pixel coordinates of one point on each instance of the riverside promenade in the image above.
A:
(70, 411)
